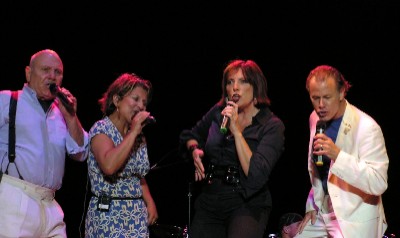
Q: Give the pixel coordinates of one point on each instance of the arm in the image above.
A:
(197, 154)
(243, 150)
(267, 146)
(150, 204)
(111, 157)
(311, 212)
(365, 165)
(192, 141)
(75, 129)
(74, 126)
(80, 137)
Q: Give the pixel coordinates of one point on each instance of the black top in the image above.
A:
(265, 137)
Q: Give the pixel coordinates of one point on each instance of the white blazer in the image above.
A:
(357, 178)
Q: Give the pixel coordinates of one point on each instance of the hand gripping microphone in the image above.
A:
(224, 123)
(56, 91)
(148, 120)
(320, 128)
(225, 119)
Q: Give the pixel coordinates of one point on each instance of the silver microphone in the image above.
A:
(320, 129)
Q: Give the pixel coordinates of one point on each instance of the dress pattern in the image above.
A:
(127, 217)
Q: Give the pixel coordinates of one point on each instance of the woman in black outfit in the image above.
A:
(234, 162)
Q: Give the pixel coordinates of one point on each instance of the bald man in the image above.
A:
(46, 129)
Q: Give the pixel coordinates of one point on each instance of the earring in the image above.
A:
(119, 115)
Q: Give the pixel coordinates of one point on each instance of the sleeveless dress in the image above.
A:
(127, 214)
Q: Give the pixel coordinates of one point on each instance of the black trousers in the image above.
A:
(221, 212)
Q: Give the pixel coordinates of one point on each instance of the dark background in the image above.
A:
(183, 48)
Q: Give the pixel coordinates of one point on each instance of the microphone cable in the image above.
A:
(167, 155)
(84, 208)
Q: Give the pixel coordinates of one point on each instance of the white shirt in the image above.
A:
(42, 140)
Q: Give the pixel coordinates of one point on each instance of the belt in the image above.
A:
(119, 198)
(35, 191)
(228, 174)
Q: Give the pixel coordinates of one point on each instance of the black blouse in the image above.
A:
(265, 137)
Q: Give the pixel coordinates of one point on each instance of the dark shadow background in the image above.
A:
(183, 48)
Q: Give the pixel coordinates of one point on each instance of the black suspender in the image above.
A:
(11, 126)
(11, 131)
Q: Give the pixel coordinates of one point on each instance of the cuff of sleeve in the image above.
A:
(74, 148)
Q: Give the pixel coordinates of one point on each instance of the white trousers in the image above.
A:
(28, 210)
(325, 226)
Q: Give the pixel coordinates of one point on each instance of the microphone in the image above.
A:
(223, 128)
(225, 119)
(149, 120)
(320, 128)
(56, 91)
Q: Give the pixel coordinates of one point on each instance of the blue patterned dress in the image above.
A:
(125, 218)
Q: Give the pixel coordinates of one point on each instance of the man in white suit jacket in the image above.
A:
(345, 198)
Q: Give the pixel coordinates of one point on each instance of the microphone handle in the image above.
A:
(149, 120)
(225, 120)
(65, 101)
(320, 130)
(223, 128)
(319, 162)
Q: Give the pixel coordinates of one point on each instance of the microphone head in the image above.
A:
(149, 120)
(321, 125)
(223, 130)
(53, 88)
